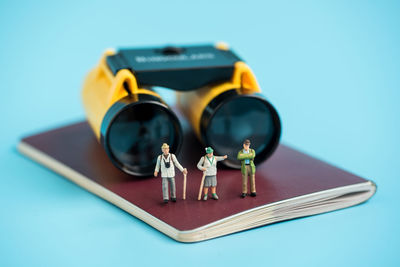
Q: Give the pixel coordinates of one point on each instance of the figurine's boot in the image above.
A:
(205, 197)
(214, 196)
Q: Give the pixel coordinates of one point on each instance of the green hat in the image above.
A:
(209, 150)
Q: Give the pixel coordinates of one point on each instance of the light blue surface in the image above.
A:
(331, 69)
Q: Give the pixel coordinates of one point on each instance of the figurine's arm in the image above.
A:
(200, 164)
(176, 162)
(219, 158)
(158, 164)
(243, 156)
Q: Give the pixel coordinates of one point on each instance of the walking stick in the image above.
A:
(201, 185)
(184, 186)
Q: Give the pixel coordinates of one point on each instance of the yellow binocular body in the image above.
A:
(216, 91)
(192, 103)
(101, 89)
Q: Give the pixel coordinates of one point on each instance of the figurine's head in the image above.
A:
(209, 151)
(165, 148)
(246, 144)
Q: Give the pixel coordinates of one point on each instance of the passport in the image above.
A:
(290, 184)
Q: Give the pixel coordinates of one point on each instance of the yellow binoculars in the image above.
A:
(216, 91)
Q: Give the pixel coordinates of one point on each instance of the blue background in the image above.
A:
(331, 68)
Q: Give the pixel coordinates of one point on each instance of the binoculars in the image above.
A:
(216, 92)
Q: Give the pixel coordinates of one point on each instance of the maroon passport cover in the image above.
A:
(287, 174)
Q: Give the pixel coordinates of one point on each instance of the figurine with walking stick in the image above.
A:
(208, 164)
(167, 162)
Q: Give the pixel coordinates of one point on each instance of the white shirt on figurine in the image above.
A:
(167, 172)
(211, 167)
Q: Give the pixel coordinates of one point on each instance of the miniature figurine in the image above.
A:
(246, 156)
(208, 164)
(167, 162)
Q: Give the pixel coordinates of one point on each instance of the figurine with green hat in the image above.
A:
(208, 164)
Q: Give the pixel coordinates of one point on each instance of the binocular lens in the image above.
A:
(229, 119)
(132, 132)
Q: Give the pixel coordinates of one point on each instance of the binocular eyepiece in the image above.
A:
(216, 91)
